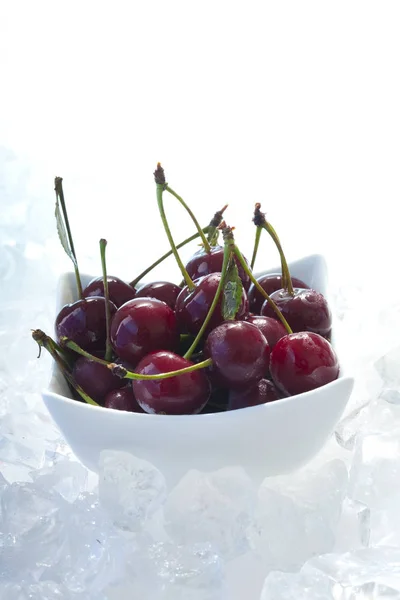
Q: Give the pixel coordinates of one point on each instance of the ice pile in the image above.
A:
(329, 531)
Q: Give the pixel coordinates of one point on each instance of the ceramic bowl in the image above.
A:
(269, 439)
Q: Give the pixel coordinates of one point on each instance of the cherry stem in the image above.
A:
(103, 244)
(120, 371)
(44, 341)
(191, 214)
(67, 343)
(166, 255)
(261, 290)
(255, 249)
(214, 224)
(185, 274)
(227, 253)
(60, 196)
(286, 279)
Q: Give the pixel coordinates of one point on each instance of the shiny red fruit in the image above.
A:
(201, 264)
(161, 290)
(306, 310)
(260, 393)
(95, 379)
(301, 362)
(119, 292)
(123, 399)
(141, 326)
(240, 353)
(192, 306)
(84, 322)
(270, 283)
(271, 328)
(180, 395)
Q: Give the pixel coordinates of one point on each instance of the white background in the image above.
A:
(293, 104)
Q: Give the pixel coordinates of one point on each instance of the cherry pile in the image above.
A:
(219, 340)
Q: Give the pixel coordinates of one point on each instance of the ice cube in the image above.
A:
(169, 571)
(297, 515)
(388, 368)
(212, 507)
(44, 590)
(353, 530)
(375, 481)
(69, 478)
(130, 489)
(371, 573)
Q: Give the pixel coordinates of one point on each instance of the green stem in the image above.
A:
(48, 344)
(261, 290)
(255, 249)
(108, 354)
(286, 279)
(60, 196)
(196, 223)
(72, 346)
(166, 255)
(213, 227)
(185, 274)
(125, 374)
(227, 253)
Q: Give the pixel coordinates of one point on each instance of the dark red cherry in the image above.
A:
(119, 292)
(271, 328)
(301, 362)
(240, 353)
(141, 326)
(202, 264)
(95, 379)
(84, 322)
(192, 306)
(123, 399)
(270, 283)
(161, 290)
(180, 395)
(306, 310)
(260, 393)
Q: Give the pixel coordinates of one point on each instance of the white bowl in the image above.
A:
(269, 439)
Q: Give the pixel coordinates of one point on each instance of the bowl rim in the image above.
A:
(231, 414)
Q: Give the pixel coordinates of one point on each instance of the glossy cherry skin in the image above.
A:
(119, 292)
(161, 290)
(240, 353)
(202, 264)
(270, 283)
(180, 395)
(271, 328)
(84, 322)
(192, 306)
(307, 310)
(123, 399)
(260, 393)
(141, 326)
(95, 379)
(301, 362)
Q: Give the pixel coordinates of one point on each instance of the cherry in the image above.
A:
(303, 361)
(192, 306)
(141, 326)
(201, 264)
(119, 292)
(271, 328)
(123, 399)
(84, 322)
(95, 378)
(305, 310)
(161, 290)
(260, 393)
(270, 283)
(178, 395)
(240, 353)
